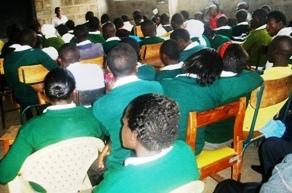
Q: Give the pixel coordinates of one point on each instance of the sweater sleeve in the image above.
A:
(46, 61)
(249, 42)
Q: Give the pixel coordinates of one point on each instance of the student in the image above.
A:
(164, 19)
(223, 28)
(51, 39)
(150, 130)
(169, 55)
(109, 33)
(121, 32)
(95, 35)
(242, 5)
(105, 18)
(89, 77)
(127, 24)
(59, 18)
(177, 21)
(138, 17)
(276, 25)
(149, 32)
(241, 29)
(54, 125)
(196, 30)
(108, 110)
(86, 48)
(214, 14)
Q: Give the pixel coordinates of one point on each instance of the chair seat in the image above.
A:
(207, 157)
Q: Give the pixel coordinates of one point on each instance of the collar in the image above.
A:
(125, 80)
(243, 23)
(222, 27)
(139, 64)
(85, 42)
(172, 66)
(14, 46)
(60, 107)
(112, 39)
(94, 32)
(191, 45)
(20, 48)
(187, 75)
(286, 31)
(143, 160)
(261, 27)
(227, 74)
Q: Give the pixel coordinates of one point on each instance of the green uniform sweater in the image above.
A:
(163, 74)
(107, 46)
(23, 92)
(46, 129)
(146, 72)
(109, 110)
(151, 40)
(218, 40)
(55, 42)
(192, 97)
(196, 39)
(255, 44)
(224, 32)
(185, 54)
(96, 38)
(174, 169)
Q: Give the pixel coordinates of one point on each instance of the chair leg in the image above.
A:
(2, 112)
(236, 170)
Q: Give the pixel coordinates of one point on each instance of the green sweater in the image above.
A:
(255, 44)
(172, 170)
(146, 72)
(23, 92)
(185, 54)
(55, 42)
(192, 97)
(49, 128)
(107, 46)
(163, 74)
(109, 109)
(218, 40)
(96, 38)
(151, 40)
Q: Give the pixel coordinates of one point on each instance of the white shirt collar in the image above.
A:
(125, 80)
(142, 160)
(60, 107)
(286, 31)
(227, 74)
(191, 45)
(187, 75)
(14, 46)
(83, 43)
(139, 64)
(94, 32)
(261, 27)
(20, 48)
(222, 27)
(243, 23)
(172, 66)
(112, 39)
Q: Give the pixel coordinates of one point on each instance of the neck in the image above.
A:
(170, 62)
(281, 62)
(143, 152)
(61, 102)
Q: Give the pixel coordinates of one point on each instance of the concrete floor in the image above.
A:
(248, 175)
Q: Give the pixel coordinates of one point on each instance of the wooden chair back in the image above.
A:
(138, 31)
(98, 60)
(1, 66)
(150, 54)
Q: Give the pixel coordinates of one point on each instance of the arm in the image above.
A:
(249, 42)
(46, 61)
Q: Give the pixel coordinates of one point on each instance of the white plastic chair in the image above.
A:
(61, 167)
(191, 187)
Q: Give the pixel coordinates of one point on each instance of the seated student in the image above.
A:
(149, 31)
(105, 18)
(169, 54)
(54, 125)
(89, 77)
(186, 46)
(63, 31)
(276, 24)
(177, 21)
(160, 31)
(95, 35)
(12, 33)
(196, 30)
(223, 28)
(138, 17)
(214, 14)
(127, 24)
(161, 163)
(88, 15)
(70, 25)
(108, 110)
(217, 40)
(109, 33)
(121, 32)
(164, 19)
(257, 39)
(241, 29)
(244, 6)
(51, 38)
(200, 88)
(86, 48)
(25, 55)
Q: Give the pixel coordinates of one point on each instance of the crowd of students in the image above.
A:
(140, 111)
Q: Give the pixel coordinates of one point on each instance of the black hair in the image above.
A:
(235, 58)
(135, 45)
(278, 16)
(105, 18)
(281, 45)
(93, 24)
(241, 15)
(59, 84)
(177, 21)
(89, 15)
(118, 22)
(171, 49)
(125, 18)
(206, 64)
(81, 32)
(164, 19)
(62, 29)
(222, 21)
(180, 34)
(67, 50)
(57, 9)
(148, 28)
(138, 17)
(27, 37)
(70, 24)
(266, 8)
(185, 14)
(13, 31)
(108, 30)
(242, 5)
(155, 120)
(122, 60)
(261, 15)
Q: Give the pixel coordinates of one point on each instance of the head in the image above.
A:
(93, 24)
(266, 8)
(177, 21)
(108, 30)
(138, 17)
(199, 16)
(150, 121)
(206, 64)
(119, 23)
(68, 54)
(276, 21)
(105, 18)
(241, 15)
(182, 37)
(259, 18)
(81, 33)
(169, 52)
(70, 24)
(122, 60)
(89, 15)
(13, 31)
(58, 11)
(164, 19)
(148, 28)
(59, 85)
(134, 44)
(185, 14)
(27, 37)
(62, 29)
(222, 21)
(213, 10)
(242, 5)
(125, 18)
(280, 50)
(156, 20)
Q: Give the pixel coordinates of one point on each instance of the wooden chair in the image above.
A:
(8, 138)
(191, 187)
(1, 66)
(265, 103)
(138, 31)
(150, 54)
(212, 161)
(98, 60)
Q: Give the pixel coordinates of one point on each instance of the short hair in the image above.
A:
(242, 5)
(222, 21)
(69, 50)
(171, 49)
(155, 120)
(206, 64)
(118, 22)
(164, 19)
(177, 21)
(278, 16)
(81, 32)
(93, 24)
(235, 58)
(70, 24)
(105, 18)
(27, 37)
(125, 18)
(89, 15)
(133, 43)
(108, 30)
(122, 60)
(59, 84)
(180, 34)
(137, 16)
(266, 8)
(241, 15)
(57, 9)
(261, 15)
(148, 28)
(185, 14)
(281, 45)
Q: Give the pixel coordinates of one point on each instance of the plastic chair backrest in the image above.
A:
(32, 74)
(150, 54)
(62, 167)
(98, 60)
(191, 187)
(138, 31)
(1, 66)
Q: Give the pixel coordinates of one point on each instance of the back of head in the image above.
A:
(222, 21)
(59, 85)
(89, 15)
(105, 18)
(122, 60)
(155, 120)
(27, 37)
(235, 58)
(180, 35)
(13, 31)
(138, 17)
(266, 8)
(125, 18)
(278, 16)
(70, 24)
(206, 64)
(93, 24)
(57, 10)
(177, 21)
(259, 18)
(242, 5)
(185, 14)
(164, 19)
(68, 54)
(133, 43)
(280, 49)
(118, 22)
(171, 49)
(148, 28)
(241, 15)
(108, 30)
(81, 32)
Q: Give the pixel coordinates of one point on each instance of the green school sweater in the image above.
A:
(109, 109)
(55, 42)
(151, 40)
(255, 44)
(224, 32)
(107, 46)
(96, 38)
(196, 39)
(185, 54)
(24, 93)
(163, 74)
(192, 97)
(146, 72)
(218, 40)
(49, 128)
(174, 169)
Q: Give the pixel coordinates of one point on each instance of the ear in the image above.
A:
(134, 138)
(59, 61)
(75, 97)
